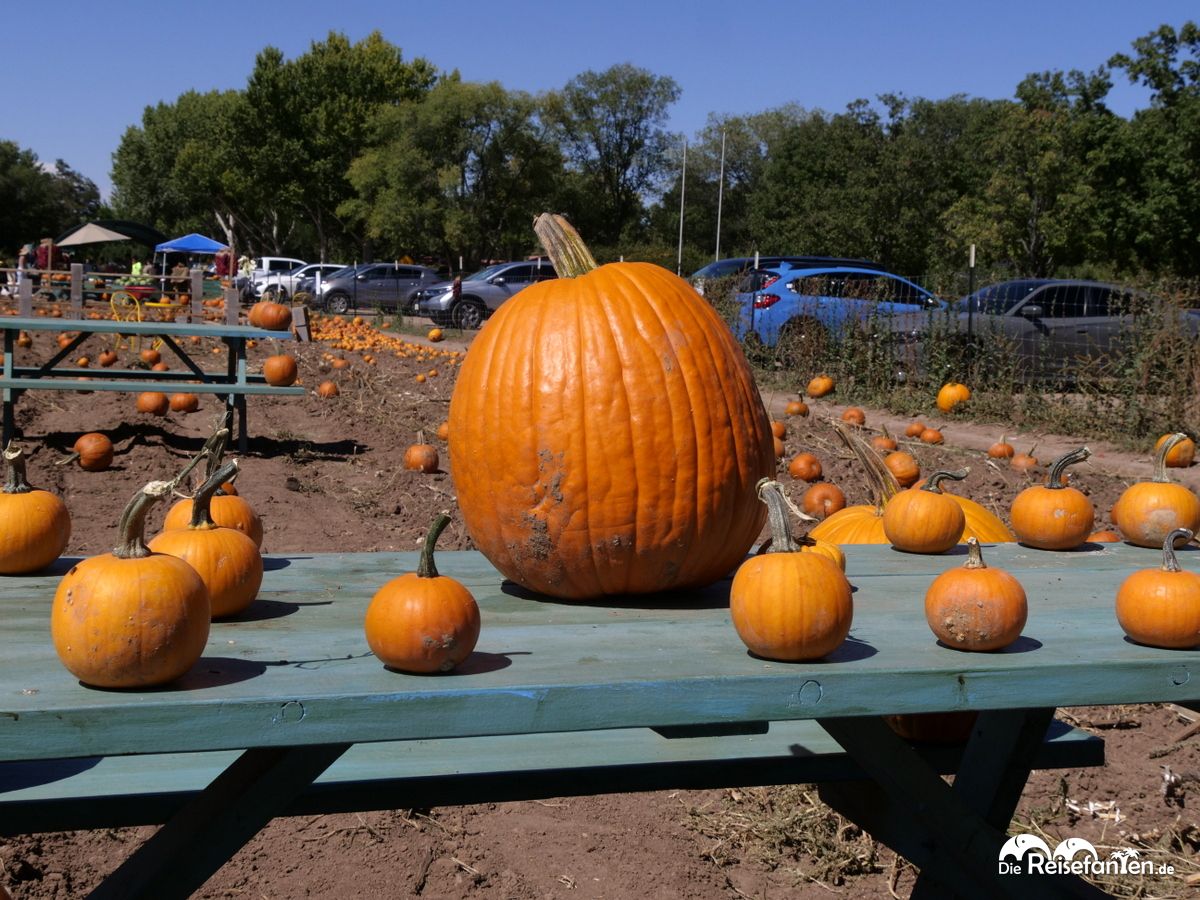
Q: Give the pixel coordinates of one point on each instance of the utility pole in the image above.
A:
(720, 198)
(682, 190)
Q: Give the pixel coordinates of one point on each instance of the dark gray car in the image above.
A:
(482, 292)
(375, 285)
(1055, 324)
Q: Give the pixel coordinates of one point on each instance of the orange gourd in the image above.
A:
(423, 621)
(823, 500)
(820, 386)
(914, 429)
(884, 443)
(327, 390)
(421, 457)
(1024, 462)
(1104, 537)
(805, 467)
(1181, 455)
(616, 397)
(1001, 450)
(443, 431)
(1148, 511)
(131, 618)
(227, 560)
(1161, 607)
(923, 519)
(153, 402)
(1054, 516)
(904, 467)
(779, 430)
(932, 436)
(952, 395)
(786, 604)
(270, 315)
(853, 415)
(93, 450)
(107, 358)
(184, 403)
(796, 408)
(974, 607)
(435, 335)
(280, 370)
(34, 524)
(150, 356)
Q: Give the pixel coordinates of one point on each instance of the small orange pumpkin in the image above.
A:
(1001, 450)
(884, 443)
(820, 386)
(796, 408)
(974, 607)
(923, 519)
(280, 370)
(1181, 455)
(153, 402)
(107, 358)
(150, 356)
(853, 415)
(270, 315)
(327, 390)
(805, 467)
(435, 335)
(914, 429)
(35, 524)
(226, 508)
(443, 431)
(1024, 462)
(779, 430)
(1161, 607)
(94, 452)
(131, 618)
(932, 436)
(1148, 511)
(904, 467)
(952, 395)
(823, 500)
(1054, 516)
(421, 457)
(184, 403)
(786, 604)
(423, 621)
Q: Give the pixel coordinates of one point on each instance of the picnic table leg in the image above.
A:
(10, 423)
(214, 825)
(953, 834)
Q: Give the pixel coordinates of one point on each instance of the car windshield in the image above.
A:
(485, 274)
(341, 273)
(720, 269)
(998, 299)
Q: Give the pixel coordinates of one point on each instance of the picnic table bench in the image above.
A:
(234, 383)
(288, 712)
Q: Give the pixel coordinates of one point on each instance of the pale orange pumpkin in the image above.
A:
(974, 607)
(131, 618)
(1054, 516)
(34, 524)
(184, 403)
(1001, 450)
(854, 415)
(327, 390)
(1148, 511)
(1161, 607)
(227, 560)
(914, 429)
(423, 621)
(435, 335)
(932, 436)
(786, 604)
(664, 472)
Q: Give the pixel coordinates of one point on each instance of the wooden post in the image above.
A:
(300, 323)
(232, 305)
(197, 295)
(25, 297)
(76, 290)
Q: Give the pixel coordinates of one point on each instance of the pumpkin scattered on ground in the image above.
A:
(823, 500)
(1148, 511)
(150, 356)
(796, 408)
(854, 416)
(904, 467)
(1161, 607)
(435, 335)
(923, 519)
(976, 607)
(185, 403)
(93, 450)
(153, 402)
(674, 437)
(131, 618)
(884, 443)
(820, 386)
(779, 430)
(914, 429)
(34, 524)
(932, 436)
(1054, 516)
(805, 467)
(952, 395)
(421, 457)
(1181, 455)
(1024, 462)
(423, 621)
(107, 358)
(787, 604)
(1001, 450)
(280, 370)
(327, 390)
(226, 559)
(271, 316)
(443, 431)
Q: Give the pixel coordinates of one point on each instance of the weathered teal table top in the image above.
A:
(109, 326)
(296, 669)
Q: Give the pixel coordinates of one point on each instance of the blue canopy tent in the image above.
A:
(190, 243)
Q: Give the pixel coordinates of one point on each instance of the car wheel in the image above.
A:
(801, 342)
(277, 294)
(337, 303)
(467, 314)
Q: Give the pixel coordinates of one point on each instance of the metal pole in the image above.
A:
(682, 190)
(720, 198)
(970, 294)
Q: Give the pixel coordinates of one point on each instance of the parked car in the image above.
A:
(736, 265)
(1055, 325)
(382, 285)
(482, 292)
(805, 305)
(282, 285)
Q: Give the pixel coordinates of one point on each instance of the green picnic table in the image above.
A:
(289, 713)
(233, 383)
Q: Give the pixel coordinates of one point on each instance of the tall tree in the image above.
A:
(38, 200)
(611, 127)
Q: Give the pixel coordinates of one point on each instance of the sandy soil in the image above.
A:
(325, 475)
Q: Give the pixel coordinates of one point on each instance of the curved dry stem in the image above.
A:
(1054, 476)
(568, 253)
(883, 483)
(1170, 562)
(1160, 456)
(132, 530)
(426, 567)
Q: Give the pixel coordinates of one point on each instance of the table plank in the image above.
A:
(150, 381)
(298, 670)
(109, 326)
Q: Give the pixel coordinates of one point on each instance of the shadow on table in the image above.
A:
(475, 664)
(15, 776)
(1022, 644)
(850, 650)
(715, 596)
(127, 435)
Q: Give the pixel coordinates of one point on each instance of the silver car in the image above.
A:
(381, 285)
(482, 292)
(281, 285)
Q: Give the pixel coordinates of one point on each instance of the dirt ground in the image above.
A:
(324, 475)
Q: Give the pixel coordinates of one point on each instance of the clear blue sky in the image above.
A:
(73, 91)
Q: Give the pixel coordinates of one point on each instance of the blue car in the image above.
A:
(809, 304)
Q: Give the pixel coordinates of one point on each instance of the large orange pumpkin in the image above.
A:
(606, 432)
(131, 618)
(1150, 510)
(34, 525)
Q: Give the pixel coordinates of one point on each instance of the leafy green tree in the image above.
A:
(611, 127)
(40, 201)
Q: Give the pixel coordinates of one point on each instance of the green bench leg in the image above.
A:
(205, 834)
(953, 834)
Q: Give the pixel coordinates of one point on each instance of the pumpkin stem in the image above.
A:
(974, 555)
(933, 483)
(883, 483)
(1160, 457)
(426, 567)
(132, 529)
(1170, 561)
(568, 253)
(1059, 466)
(202, 502)
(17, 482)
(214, 450)
(771, 493)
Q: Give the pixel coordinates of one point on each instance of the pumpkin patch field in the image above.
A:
(366, 465)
